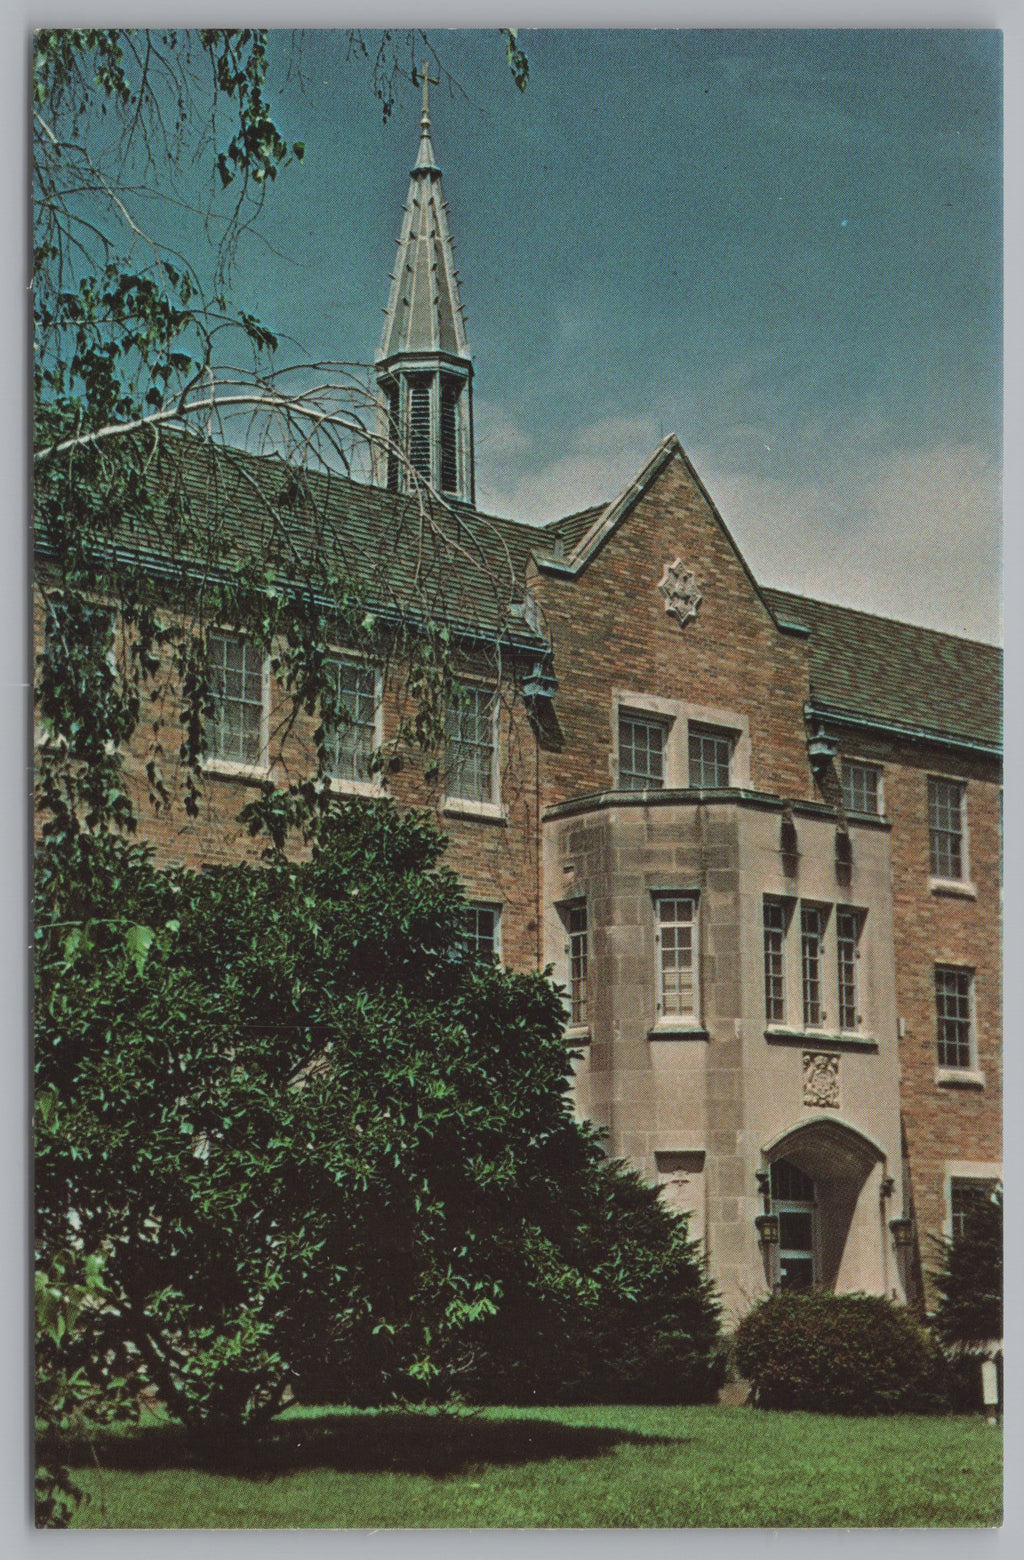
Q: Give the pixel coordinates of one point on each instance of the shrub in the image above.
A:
(638, 1324)
(840, 1354)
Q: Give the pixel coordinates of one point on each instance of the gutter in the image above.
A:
(922, 734)
(157, 565)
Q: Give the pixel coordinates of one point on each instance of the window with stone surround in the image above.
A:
(946, 828)
(965, 1195)
(579, 958)
(481, 930)
(775, 921)
(351, 744)
(812, 937)
(641, 752)
(710, 757)
(677, 956)
(235, 729)
(470, 744)
(861, 787)
(954, 1016)
(848, 929)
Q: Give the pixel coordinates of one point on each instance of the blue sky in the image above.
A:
(783, 246)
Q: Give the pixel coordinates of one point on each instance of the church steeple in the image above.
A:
(424, 366)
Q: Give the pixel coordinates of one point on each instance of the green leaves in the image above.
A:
(138, 941)
(518, 63)
(317, 1146)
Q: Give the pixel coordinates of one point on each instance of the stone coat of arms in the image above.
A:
(679, 588)
(821, 1079)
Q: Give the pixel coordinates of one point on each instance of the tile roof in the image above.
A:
(897, 674)
(451, 562)
(470, 568)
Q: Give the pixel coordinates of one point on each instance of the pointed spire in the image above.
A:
(424, 312)
(424, 363)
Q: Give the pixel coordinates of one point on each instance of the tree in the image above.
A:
(143, 369)
(969, 1279)
(319, 1148)
(154, 398)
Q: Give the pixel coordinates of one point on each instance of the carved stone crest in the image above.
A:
(679, 588)
(821, 1079)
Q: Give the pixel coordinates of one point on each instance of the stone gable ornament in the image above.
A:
(679, 588)
(821, 1080)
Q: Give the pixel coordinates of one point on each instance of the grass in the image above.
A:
(557, 1467)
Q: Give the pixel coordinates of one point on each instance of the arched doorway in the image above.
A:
(827, 1185)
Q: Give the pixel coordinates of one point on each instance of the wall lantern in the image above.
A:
(767, 1225)
(902, 1233)
(541, 683)
(821, 749)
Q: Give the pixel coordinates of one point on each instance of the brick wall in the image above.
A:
(611, 629)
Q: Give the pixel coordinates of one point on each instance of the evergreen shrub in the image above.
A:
(840, 1354)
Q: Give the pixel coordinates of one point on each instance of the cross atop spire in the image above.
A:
(426, 80)
(425, 156)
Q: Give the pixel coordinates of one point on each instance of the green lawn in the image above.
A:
(560, 1467)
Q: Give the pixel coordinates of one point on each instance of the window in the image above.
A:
(953, 1012)
(641, 753)
(351, 744)
(793, 1200)
(848, 927)
(774, 961)
(812, 931)
(470, 742)
(677, 965)
(946, 828)
(234, 731)
(964, 1197)
(576, 921)
(710, 752)
(861, 787)
(481, 931)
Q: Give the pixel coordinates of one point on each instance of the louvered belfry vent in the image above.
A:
(424, 366)
(419, 427)
(393, 435)
(449, 444)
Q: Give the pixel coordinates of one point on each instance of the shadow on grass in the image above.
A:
(361, 1443)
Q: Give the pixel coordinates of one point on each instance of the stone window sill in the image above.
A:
(678, 1031)
(342, 787)
(780, 1034)
(959, 1078)
(228, 769)
(578, 1034)
(485, 812)
(953, 888)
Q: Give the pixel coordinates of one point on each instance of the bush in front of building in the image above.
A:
(840, 1354)
(638, 1324)
(968, 1318)
(321, 1146)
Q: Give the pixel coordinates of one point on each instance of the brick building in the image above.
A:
(756, 835)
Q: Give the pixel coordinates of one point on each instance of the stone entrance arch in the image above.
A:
(848, 1169)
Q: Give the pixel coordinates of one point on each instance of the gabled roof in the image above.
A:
(405, 556)
(585, 533)
(897, 675)
(424, 312)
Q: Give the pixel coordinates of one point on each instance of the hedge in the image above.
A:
(840, 1354)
